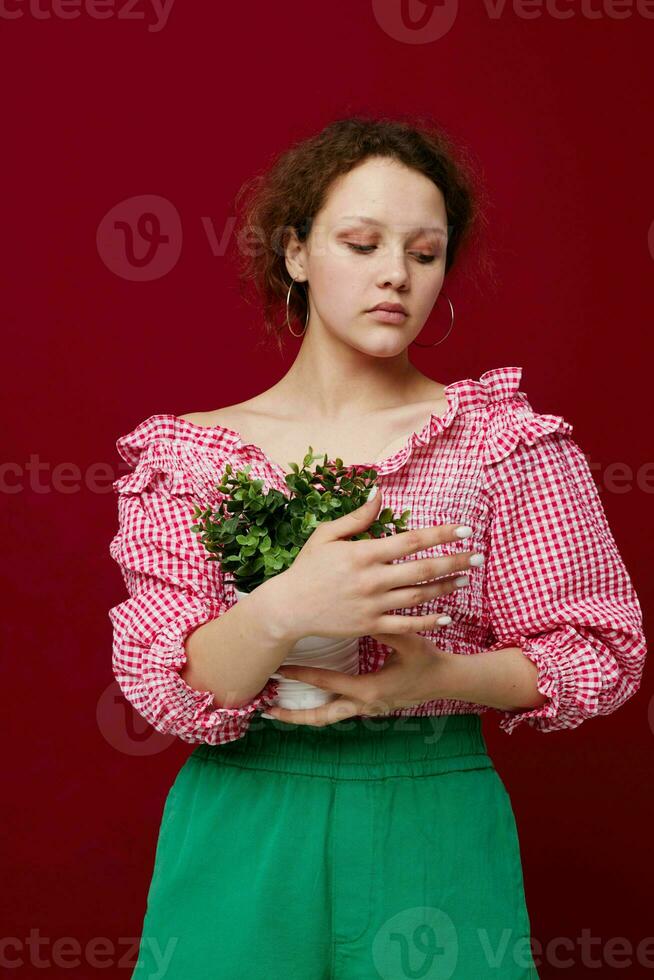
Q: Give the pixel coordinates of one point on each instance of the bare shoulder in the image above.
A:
(228, 415)
(197, 418)
(205, 419)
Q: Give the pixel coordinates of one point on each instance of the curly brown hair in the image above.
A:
(294, 188)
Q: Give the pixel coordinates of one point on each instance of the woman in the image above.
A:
(329, 842)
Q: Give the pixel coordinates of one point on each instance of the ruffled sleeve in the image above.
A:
(555, 583)
(172, 589)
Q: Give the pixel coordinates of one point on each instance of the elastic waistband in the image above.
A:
(358, 747)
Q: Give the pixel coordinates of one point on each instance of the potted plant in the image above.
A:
(257, 535)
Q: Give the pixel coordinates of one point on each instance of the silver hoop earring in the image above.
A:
(449, 330)
(288, 296)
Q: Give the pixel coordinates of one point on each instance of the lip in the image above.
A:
(391, 307)
(387, 316)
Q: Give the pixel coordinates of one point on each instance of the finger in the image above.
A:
(417, 595)
(401, 625)
(351, 685)
(389, 640)
(420, 570)
(355, 522)
(407, 542)
(324, 714)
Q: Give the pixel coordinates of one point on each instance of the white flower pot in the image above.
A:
(314, 651)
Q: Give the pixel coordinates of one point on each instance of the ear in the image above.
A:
(294, 254)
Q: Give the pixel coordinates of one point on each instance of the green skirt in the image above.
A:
(374, 847)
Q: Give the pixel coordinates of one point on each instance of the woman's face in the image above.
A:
(380, 237)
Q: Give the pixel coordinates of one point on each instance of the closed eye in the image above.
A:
(423, 257)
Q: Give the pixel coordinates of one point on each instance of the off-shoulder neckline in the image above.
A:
(461, 396)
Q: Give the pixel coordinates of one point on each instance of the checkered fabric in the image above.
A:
(553, 583)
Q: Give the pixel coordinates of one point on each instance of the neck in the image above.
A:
(332, 380)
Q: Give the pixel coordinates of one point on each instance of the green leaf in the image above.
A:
(256, 533)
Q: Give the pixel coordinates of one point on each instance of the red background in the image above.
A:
(96, 111)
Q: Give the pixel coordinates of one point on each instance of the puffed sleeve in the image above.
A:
(172, 590)
(555, 583)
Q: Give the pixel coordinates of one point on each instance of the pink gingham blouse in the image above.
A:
(553, 583)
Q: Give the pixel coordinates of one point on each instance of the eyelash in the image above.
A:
(424, 258)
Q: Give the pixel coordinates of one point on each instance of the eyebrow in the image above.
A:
(373, 221)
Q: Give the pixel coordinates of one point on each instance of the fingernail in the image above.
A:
(477, 560)
(264, 714)
(463, 531)
(373, 492)
(461, 580)
(444, 620)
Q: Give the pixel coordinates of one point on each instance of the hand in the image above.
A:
(409, 676)
(339, 588)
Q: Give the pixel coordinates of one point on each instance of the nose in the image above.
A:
(393, 270)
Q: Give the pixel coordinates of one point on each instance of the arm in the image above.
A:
(556, 586)
(253, 639)
(501, 678)
(188, 663)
